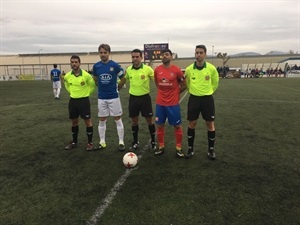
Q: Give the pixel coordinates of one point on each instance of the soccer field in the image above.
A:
(255, 179)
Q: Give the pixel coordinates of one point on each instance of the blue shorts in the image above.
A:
(171, 112)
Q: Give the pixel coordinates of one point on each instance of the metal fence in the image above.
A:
(34, 72)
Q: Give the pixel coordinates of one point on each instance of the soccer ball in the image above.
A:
(130, 160)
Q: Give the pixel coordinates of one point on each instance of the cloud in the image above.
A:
(80, 26)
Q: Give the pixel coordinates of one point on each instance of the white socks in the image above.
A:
(120, 129)
(102, 130)
(56, 92)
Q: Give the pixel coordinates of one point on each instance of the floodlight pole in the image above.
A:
(40, 61)
(212, 55)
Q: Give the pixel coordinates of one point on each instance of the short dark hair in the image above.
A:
(75, 57)
(137, 51)
(105, 46)
(202, 46)
(166, 50)
(55, 65)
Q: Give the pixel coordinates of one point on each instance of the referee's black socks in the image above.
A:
(135, 131)
(191, 137)
(152, 132)
(75, 133)
(211, 136)
(89, 133)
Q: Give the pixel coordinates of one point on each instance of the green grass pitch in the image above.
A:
(254, 181)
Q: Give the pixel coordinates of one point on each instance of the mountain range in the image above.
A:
(256, 54)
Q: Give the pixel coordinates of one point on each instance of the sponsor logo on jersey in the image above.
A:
(164, 80)
(105, 77)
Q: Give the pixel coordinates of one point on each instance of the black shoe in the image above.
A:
(71, 145)
(179, 153)
(211, 154)
(121, 147)
(153, 146)
(190, 153)
(159, 151)
(134, 146)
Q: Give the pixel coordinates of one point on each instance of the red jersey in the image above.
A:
(167, 81)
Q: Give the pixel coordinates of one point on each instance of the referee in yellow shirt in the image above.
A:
(202, 81)
(80, 84)
(139, 76)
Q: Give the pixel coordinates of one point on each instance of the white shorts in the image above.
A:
(56, 84)
(109, 107)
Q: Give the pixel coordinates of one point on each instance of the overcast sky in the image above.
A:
(80, 26)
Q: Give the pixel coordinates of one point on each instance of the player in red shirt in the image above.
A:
(170, 82)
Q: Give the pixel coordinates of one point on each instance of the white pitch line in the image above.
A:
(109, 198)
(186, 92)
(113, 192)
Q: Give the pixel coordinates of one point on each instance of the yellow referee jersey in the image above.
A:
(139, 79)
(201, 82)
(79, 86)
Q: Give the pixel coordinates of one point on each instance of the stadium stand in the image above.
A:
(38, 66)
(264, 70)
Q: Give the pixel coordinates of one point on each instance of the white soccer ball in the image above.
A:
(130, 159)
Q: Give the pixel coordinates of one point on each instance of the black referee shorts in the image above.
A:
(201, 104)
(141, 104)
(79, 107)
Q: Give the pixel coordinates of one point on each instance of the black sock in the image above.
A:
(89, 133)
(211, 139)
(191, 137)
(75, 133)
(135, 131)
(152, 132)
